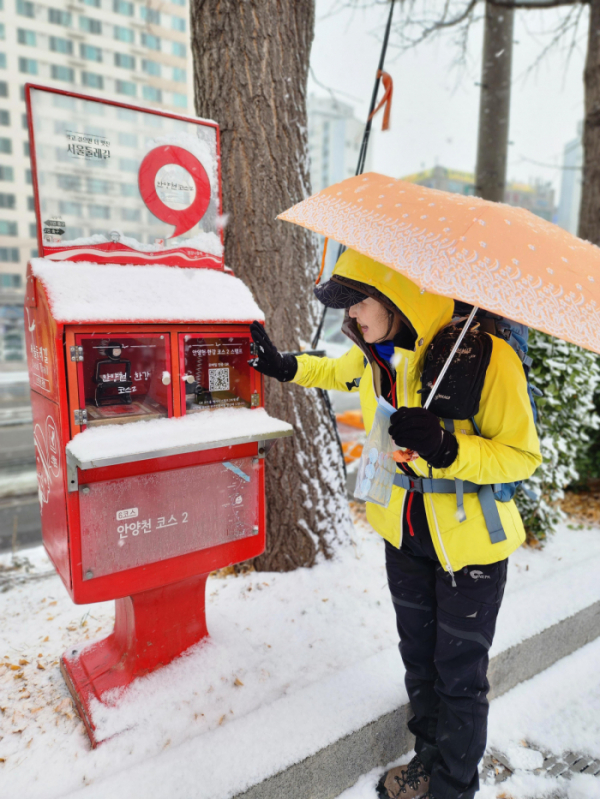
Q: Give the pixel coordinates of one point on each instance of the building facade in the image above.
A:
(537, 197)
(334, 139)
(137, 52)
(570, 187)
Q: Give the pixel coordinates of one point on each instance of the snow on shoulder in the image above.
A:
(87, 292)
(204, 430)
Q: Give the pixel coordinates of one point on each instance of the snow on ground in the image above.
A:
(569, 722)
(294, 662)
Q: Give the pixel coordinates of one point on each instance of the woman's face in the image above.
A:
(374, 320)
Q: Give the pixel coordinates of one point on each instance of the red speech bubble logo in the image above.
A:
(170, 155)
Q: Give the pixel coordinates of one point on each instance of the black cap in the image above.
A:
(335, 295)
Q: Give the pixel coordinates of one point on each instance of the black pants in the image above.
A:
(445, 634)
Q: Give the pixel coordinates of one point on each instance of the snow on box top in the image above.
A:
(86, 292)
(200, 429)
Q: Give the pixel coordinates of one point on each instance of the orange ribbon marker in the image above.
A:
(388, 85)
(318, 280)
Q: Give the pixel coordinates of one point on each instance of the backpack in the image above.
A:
(460, 392)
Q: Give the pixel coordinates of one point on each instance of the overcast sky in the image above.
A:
(436, 104)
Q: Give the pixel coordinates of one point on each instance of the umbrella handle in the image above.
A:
(446, 366)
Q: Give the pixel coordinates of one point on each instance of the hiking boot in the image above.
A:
(405, 782)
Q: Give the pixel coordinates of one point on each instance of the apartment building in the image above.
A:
(137, 52)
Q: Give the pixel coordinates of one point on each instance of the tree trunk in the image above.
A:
(494, 107)
(250, 71)
(589, 218)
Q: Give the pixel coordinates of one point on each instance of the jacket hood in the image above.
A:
(427, 313)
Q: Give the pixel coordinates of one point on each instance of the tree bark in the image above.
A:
(494, 107)
(250, 71)
(589, 218)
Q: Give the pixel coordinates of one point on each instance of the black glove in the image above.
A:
(420, 430)
(270, 361)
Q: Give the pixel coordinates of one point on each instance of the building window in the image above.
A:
(180, 75)
(125, 87)
(5, 145)
(130, 214)
(151, 15)
(150, 41)
(28, 177)
(2, 31)
(92, 80)
(128, 189)
(90, 25)
(24, 122)
(179, 2)
(2, 60)
(152, 94)
(25, 9)
(125, 61)
(123, 7)
(128, 139)
(180, 100)
(8, 228)
(123, 34)
(128, 165)
(59, 45)
(62, 73)
(30, 204)
(90, 53)
(7, 201)
(94, 3)
(26, 149)
(7, 173)
(9, 281)
(58, 17)
(26, 37)
(151, 67)
(3, 88)
(178, 24)
(97, 186)
(33, 230)
(99, 212)
(28, 65)
(4, 117)
(10, 255)
(69, 182)
(68, 208)
(178, 49)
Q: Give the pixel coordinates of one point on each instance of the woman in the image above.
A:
(446, 576)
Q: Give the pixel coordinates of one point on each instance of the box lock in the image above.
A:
(255, 400)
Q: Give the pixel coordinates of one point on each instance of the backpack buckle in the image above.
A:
(415, 485)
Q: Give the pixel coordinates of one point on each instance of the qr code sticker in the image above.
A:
(218, 379)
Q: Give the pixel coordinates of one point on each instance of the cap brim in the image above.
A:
(334, 295)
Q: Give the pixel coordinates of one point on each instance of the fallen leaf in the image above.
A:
(2, 760)
(324, 600)
(238, 681)
(23, 662)
(14, 668)
(221, 720)
(41, 667)
(52, 603)
(19, 675)
(47, 638)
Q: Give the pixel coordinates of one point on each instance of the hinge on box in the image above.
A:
(77, 353)
(254, 400)
(80, 416)
(253, 348)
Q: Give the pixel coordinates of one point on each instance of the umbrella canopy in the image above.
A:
(491, 255)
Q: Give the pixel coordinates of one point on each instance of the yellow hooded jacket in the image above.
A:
(507, 450)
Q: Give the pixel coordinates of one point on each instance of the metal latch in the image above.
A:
(254, 400)
(253, 348)
(77, 353)
(80, 416)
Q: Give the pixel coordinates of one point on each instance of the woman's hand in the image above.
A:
(269, 360)
(420, 430)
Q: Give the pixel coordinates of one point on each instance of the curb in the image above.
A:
(338, 766)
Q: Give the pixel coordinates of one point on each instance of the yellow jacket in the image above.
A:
(507, 450)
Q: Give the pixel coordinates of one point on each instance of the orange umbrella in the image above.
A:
(491, 255)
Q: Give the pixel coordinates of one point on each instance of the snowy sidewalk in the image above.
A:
(295, 663)
(557, 712)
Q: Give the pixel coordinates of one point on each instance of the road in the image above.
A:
(16, 447)
(24, 513)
